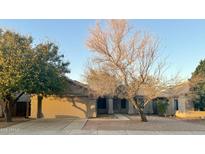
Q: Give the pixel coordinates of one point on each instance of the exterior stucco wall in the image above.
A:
(171, 110)
(182, 104)
(151, 108)
(185, 104)
(53, 107)
(148, 108)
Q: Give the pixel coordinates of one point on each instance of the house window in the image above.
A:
(176, 104)
(123, 104)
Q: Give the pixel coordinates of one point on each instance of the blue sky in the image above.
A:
(183, 41)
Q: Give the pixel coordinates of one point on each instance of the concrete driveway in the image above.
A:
(131, 125)
(56, 126)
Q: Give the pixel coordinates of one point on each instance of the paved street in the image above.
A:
(123, 125)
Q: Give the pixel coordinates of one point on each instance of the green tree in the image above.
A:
(200, 69)
(27, 68)
(13, 49)
(198, 88)
(45, 73)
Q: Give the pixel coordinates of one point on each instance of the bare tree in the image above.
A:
(127, 61)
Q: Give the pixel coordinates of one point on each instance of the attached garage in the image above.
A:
(77, 102)
(54, 107)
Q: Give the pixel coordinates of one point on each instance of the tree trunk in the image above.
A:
(27, 109)
(8, 107)
(7, 112)
(137, 106)
(142, 115)
(39, 108)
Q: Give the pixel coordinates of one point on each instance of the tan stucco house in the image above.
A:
(79, 102)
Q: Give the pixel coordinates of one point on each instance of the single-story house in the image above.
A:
(79, 102)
